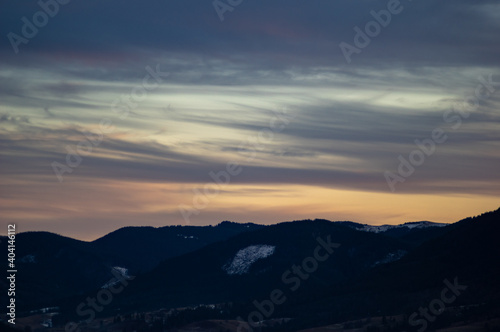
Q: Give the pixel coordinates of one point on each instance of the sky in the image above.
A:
(192, 112)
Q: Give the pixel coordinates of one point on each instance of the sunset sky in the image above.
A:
(177, 94)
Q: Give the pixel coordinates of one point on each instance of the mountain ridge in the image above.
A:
(206, 254)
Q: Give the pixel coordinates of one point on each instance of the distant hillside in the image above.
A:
(413, 233)
(327, 271)
(55, 267)
(207, 276)
(369, 274)
(141, 248)
(469, 251)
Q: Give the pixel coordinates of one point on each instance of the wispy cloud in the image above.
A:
(225, 81)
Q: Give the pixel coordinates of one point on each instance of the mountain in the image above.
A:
(253, 263)
(467, 254)
(52, 266)
(413, 233)
(295, 275)
(367, 274)
(55, 267)
(402, 228)
(141, 248)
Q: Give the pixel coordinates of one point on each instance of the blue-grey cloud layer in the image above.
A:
(226, 80)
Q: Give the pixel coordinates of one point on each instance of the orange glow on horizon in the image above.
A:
(78, 208)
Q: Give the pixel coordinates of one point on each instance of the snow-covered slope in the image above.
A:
(385, 228)
(244, 258)
(120, 270)
(391, 257)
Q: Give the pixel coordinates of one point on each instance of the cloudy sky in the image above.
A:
(117, 113)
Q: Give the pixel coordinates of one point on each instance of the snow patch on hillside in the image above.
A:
(391, 257)
(188, 236)
(244, 258)
(123, 272)
(410, 225)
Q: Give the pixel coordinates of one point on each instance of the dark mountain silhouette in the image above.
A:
(55, 267)
(52, 267)
(199, 277)
(469, 251)
(231, 267)
(413, 233)
(141, 248)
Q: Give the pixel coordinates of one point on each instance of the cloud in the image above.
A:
(226, 81)
(14, 119)
(277, 34)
